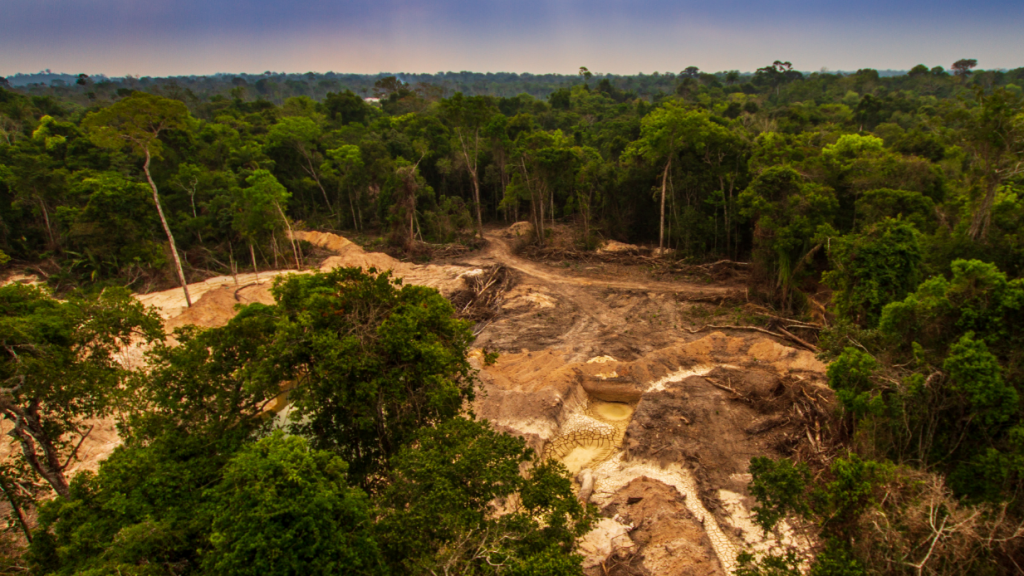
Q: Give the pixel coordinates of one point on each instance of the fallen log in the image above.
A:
(785, 335)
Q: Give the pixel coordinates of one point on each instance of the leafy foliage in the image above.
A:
(779, 488)
(439, 512)
(870, 270)
(281, 508)
(371, 362)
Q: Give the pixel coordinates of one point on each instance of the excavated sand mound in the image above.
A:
(171, 303)
(519, 230)
(614, 247)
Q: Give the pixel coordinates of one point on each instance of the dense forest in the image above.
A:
(890, 206)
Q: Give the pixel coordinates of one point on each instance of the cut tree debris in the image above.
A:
(484, 293)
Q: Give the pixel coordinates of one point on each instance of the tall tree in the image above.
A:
(660, 137)
(963, 66)
(266, 191)
(370, 361)
(993, 132)
(468, 116)
(137, 122)
(346, 163)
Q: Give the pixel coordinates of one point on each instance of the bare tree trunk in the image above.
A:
(291, 235)
(231, 262)
(192, 199)
(254, 268)
(586, 218)
(552, 208)
(46, 219)
(536, 206)
(982, 217)
(38, 447)
(540, 219)
(412, 223)
(471, 167)
(661, 230)
(504, 182)
(352, 207)
(316, 178)
(273, 246)
(167, 229)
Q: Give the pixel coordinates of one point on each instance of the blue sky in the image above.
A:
(171, 37)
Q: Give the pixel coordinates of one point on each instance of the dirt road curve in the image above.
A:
(498, 251)
(588, 316)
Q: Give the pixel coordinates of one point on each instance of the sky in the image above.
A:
(196, 37)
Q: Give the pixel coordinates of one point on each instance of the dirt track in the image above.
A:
(594, 315)
(498, 250)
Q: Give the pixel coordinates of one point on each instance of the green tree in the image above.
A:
(872, 269)
(790, 217)
(259, 212)
(264, 189)
(593, 180)
(207, 382)
(778, 486)
(347, 164)
(437, 511)
(546, 162)
(302, 135)
(60, 367)
(113, 203)
(283, 509)
(993, 133)
(469, 117)
(137, 122)
(660, 137)
(977, 298)
(149, 505)
(371, 362)
(963, 66)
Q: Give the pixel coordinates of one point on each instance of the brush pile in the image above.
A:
(484, 293)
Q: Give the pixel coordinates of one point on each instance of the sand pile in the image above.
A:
(519, 230)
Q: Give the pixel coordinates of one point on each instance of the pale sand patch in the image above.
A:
(659, 385)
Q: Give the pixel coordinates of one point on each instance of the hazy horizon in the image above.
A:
(193, 37)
